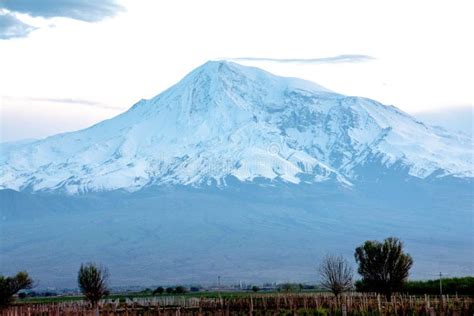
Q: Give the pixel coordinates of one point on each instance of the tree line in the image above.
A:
(383, 267)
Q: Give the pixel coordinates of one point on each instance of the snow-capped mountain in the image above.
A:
(227, 120)
(239, 173)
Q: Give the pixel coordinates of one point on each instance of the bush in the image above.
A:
(9, 286)
(290, 287)
(169, 290)
(180, 290)
(360, 286)
(159, 290)
(461, 286)
(255, 288)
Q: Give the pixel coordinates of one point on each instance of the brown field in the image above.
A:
(258, 304)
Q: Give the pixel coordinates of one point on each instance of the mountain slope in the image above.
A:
(226, 120)
(255, 234)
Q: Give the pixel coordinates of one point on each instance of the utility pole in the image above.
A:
(440, 284)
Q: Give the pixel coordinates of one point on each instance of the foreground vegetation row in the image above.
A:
(260, 304)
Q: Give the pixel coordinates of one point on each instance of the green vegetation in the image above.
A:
(9, 286)
(159, 291)
(132, 295)
(290, 287)
(180, 290)
(383, 266)
(452, 286)
(92, 281)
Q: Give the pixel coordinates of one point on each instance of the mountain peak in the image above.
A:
(235, 75)
(212, 67)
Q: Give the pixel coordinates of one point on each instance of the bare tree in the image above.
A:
(92, 280)
(336, 274)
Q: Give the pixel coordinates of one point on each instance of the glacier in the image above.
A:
(239, 173)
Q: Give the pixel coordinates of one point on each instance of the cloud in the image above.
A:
(78, 102)
(12, 27)
(324, 60)
(81, 102)
(84, 10)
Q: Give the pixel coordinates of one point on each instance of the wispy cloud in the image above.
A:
(83, 10)
(323, 60)
(71, 101)
(12, 27)
(78, 102)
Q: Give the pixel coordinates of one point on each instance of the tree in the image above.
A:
(92, 281)
(159, 290)
(384, 267)
(255, 288)
(9, 286)
(180, 290)
(336, 274)
(289, 287)
(360, 286)
(169, 290)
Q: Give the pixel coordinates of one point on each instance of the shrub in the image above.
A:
(461, 286)
(290, 287)
(159, 290)
(9, 286)
(180, 290)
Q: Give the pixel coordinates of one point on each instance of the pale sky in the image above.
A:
(65, 66)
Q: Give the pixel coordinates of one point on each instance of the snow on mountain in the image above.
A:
(224, 119)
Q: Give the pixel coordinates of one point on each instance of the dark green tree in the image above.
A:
(255, 288)
(9, 286)
(180, 290)
(460, 286)
(92, 281)
(384, 267)
(159, 290)
(169, 290)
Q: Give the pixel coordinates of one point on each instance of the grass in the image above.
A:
(132, 295)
